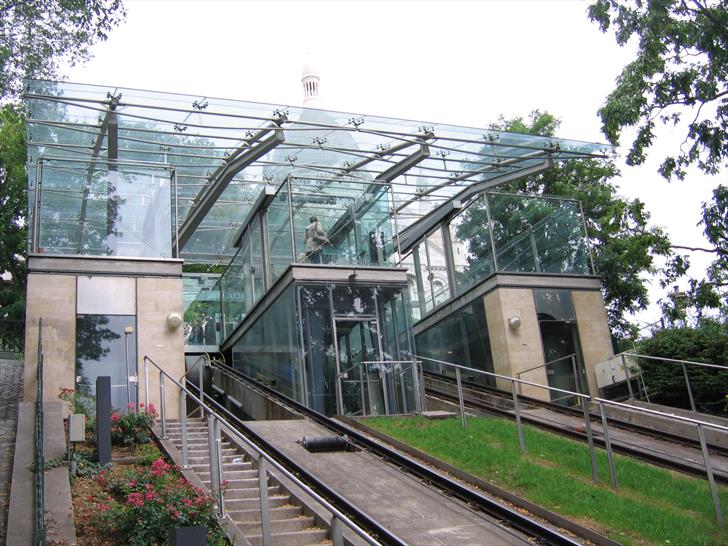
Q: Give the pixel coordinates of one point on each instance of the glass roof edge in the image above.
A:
(608, 147)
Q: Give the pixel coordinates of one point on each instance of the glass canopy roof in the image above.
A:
(79, 128)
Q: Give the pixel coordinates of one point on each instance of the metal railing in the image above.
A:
(601, 403)
(683, 364)
(215, 423)
(39, 465)
(574, 369)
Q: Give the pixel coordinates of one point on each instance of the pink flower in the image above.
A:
(150, 496)
(103, 507)
(141, 404)
(186, 502)
(135, 499)
(132, 483)
(159, 467)
(173, 511)
(115, 417)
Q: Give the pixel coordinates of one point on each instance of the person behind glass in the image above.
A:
(314, 238)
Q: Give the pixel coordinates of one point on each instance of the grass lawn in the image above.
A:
(651, 506)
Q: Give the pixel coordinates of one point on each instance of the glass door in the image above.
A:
(360, 382)
(106, 346)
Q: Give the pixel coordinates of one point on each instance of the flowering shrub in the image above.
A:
(142, 505)
(132, 428)
(80, 404)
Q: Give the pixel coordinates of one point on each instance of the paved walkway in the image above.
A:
(11, 392)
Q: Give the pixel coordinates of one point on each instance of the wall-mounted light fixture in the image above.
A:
(514, 323)
(174, 320)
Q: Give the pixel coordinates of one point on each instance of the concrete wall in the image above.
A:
(594, 335)
(516, 350)
(52, 297)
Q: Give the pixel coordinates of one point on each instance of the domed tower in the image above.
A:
(310, 81)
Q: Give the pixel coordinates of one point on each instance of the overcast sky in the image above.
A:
(447, 62)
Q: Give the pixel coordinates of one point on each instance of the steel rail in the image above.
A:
(476, 500)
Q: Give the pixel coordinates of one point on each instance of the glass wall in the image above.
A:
(496, 232)
(269, 350)
(461, 338)
(203, 315)
(280, 246)
(341, 222)
(89, 210)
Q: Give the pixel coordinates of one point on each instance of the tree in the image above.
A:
(624, 246)
(680, 69)
(37, 36)
(707, 342)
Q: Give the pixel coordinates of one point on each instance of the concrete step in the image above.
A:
(244, 489)
(299, 523)
(232, 475)
(298, 538)
(253, 516)
(226, 459)
(247, 505)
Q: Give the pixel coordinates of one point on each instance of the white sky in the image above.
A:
(448, 62)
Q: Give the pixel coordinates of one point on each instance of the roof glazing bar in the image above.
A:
(405, 165)
(239, 160)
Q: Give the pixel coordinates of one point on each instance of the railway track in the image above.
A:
(534, 530)
(491, 401)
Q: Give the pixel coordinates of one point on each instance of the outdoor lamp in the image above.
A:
(174, 320)
(514, 323)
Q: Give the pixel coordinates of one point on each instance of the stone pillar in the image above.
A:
(520, 349)
(594, 335)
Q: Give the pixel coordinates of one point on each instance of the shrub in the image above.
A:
(144, 504)
(132, 428)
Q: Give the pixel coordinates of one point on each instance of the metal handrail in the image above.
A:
(677, 361)
(601, 402)
(200, 358)
(264, 458)
(544, 365)
(39, 477)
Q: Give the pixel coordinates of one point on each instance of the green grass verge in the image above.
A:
(651, 506)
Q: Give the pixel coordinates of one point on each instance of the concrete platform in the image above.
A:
(416, 513)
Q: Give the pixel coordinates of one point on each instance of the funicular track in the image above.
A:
(480, 397)
(535, 531)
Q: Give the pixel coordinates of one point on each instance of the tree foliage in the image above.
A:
(679, 74)
(708, 343)
(13, 205)
(38, 36)
(624, 245)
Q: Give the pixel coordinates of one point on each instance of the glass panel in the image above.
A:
(553, 304)
(232, 292)
(415, 309)
(423, 278)
(256, 260)
(269, 351)
(279, 234)
(438, 267)
(471, 245)
(103, 349)
(345, 222)
(89, 210)
(537, 234)
(353, 300)
(203, 315)
(462, 338)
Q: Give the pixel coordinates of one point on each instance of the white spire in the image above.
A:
(310, 81)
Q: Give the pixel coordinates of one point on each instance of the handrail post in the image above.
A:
(146, 382)
(264, 507)
(711, 479)
(461, 402)
(220, 474)
(690, 390)
(421, 376)
(183, 426)
(626, 375)
(162, 405)
(608, 444)
(590, 440)
(337, 531)
(416, 386)
(212, 457)
(517, 410)
(577, 379)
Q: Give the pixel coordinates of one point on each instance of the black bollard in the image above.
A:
(188, 536)
(103, 419)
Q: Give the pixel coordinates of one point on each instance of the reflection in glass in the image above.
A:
(203, 315)
(101, 351)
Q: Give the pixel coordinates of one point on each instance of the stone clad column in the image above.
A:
(520, 349)
(594, 335)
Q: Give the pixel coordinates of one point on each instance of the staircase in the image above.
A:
(289, 525)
